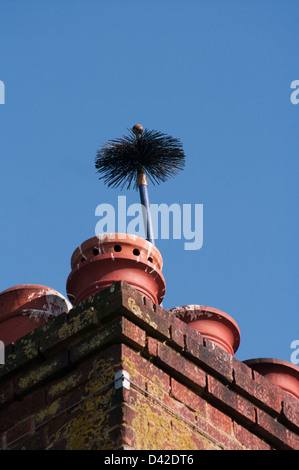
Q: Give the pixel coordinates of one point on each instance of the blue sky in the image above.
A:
(215, 74)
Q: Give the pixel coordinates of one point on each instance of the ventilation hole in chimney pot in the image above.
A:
(136, 252)
(117, 248)
(95, 251)
(83, 259)
(150, 259)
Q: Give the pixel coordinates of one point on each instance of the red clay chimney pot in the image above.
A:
(25, 307)
(105, 259)
(211, 323)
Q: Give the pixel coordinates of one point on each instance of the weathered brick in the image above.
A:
(6, 392)
(219, 419)
(75, 397)
(180, 409)
(120, 329)
(108, 360)
(96, 391)
(135, 364)
(215, 361)
(106, 303)
(34, 441)
(132, 334)
(70, 381)
(171, 400)
(37, 375)
(19, 410)
(177, 333)
(248, 439)
(243, 375)
(18, 431)
(215, 437)
(181, 367)
(109, 303)
(56, 429)
(223, 363)
(199, 442)
(66, 328)
(156, 324)
(99, 339)
(128, 415)
(85, 423)
(123, 395)
(48, 413)
(23, 353)
(189, 398)
(230, 401)
(259, 389)
(160, 423)
(152, 346)
(267, 394)
(123, 435)
(277, 432)
(290, 411)
(121, 414)
(192, 347)
(191, 334)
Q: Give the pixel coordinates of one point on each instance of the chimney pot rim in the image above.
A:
(184, 309)
(272, 360)
(29, 286)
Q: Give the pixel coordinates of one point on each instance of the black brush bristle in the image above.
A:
(158, 155)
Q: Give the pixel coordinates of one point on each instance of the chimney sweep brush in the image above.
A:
(130, 160)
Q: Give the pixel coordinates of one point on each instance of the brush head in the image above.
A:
(158, 155)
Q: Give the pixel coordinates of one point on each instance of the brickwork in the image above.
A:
(57, 388)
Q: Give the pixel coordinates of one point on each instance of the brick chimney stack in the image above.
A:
(119, 372)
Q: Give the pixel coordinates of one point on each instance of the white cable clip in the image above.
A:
(122, 379)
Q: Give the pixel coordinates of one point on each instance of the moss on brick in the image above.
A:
(62, 375)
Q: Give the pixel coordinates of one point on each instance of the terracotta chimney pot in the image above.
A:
(25, 307)
(105, 259)
(211, 323)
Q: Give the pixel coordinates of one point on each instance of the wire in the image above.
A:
(62, 412)
(204, 433)
(137, 387)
